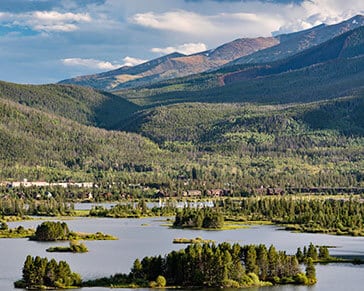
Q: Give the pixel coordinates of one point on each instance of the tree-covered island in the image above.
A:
(59, 231)
(41, 273)
(209, 265)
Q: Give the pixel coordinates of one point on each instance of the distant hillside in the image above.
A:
(326, 71)
(293, 43)
(173, 65)
(84, 105)
(203, 123)
(31, 139)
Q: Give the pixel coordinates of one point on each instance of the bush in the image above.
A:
(161, 281)
(228, 283)
(300, 279)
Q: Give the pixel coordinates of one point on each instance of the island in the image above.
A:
(59, 231)
(74, 247)
(18, 232)
(183, 240)
(210, 265)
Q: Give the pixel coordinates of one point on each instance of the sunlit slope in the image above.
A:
(84, 105)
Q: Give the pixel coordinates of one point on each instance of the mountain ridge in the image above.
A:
(172, 65)
(331, 69)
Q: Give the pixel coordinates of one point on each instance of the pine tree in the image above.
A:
(251, 259)
(137, 270)
(311, 271)
(28, 271)
(262, 261)
(299, 255)
(51, 273)
(272, 262)
(312, 252)
(323, 253)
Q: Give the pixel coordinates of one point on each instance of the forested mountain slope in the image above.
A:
(211, 124)
(84, 105)
(270, 143)
(31, 139)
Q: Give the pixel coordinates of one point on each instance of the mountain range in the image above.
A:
(240, 51)
(241, 115)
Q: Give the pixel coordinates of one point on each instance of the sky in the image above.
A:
(45, 41)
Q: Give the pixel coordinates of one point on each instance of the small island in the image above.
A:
(18, 232)
(39, 273)
(59, 231)
(196, 240)
(74, 247)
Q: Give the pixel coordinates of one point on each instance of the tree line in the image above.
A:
(327, 215)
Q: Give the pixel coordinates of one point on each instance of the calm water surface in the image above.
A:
(150, 236)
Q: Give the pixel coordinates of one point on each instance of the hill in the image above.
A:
(40, 145)
(84, 105)
(210, 124)
(278, 145)
(173, 65)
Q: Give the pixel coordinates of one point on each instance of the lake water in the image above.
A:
(176, 204)
(150, 236)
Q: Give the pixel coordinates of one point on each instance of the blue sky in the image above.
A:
(45, 41)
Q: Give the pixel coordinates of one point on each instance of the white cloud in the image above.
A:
(101, 65)
(191, 23)
(54, 16)
(180, 21)
(187, 49)
(90, 63)
(314, 12)
(130, 61)
(46, 20)
(331, 11)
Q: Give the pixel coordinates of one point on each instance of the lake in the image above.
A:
(151, 236)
